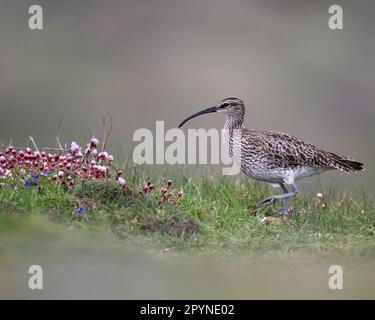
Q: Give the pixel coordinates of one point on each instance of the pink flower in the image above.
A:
(121, 181)
(78, 173)
(103, 154)
(180, 194)
(75, 148)
(94, 142)
(99, 168)
(63, 168)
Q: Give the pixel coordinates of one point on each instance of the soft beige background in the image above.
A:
(142, 61)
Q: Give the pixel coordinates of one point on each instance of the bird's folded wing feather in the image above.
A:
(285, 150)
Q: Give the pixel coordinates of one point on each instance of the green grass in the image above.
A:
(214, 215)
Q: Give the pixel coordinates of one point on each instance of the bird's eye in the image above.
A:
(224, 105)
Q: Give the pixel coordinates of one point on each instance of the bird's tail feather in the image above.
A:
(344, 163)
(352, 165)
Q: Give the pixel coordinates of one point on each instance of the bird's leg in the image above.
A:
(285, 196)
(284, 209)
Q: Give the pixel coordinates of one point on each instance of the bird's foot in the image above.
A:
(286, 211)
(266, 202)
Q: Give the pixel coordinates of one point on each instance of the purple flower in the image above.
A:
(75, 148)
(34, 179)
(94, 142)
(27, 184)
(80, 210)
(103, 154)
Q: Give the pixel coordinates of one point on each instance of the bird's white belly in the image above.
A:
(301, 172)
(284, 175)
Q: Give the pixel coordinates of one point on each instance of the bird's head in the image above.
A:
(232, 106)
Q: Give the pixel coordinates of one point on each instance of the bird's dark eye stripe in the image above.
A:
(224, 105)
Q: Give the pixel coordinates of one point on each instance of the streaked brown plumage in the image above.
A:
(274, 157)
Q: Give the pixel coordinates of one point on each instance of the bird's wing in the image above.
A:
(286, 151)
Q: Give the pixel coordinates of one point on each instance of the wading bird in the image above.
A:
(274, 157)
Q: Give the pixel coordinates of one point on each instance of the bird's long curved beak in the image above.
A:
(208, 110)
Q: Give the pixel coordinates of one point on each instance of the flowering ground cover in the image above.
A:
(85, 187)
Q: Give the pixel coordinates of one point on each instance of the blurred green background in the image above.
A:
(142, 61)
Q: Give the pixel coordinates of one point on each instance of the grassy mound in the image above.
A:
(212, 214)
